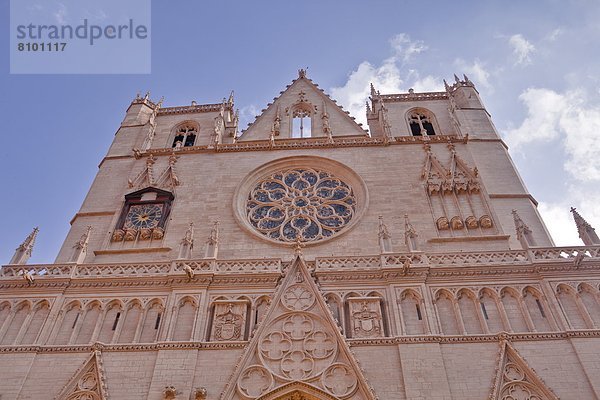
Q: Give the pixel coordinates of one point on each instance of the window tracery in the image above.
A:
(300, 204)
(185, 136)
(421, 123)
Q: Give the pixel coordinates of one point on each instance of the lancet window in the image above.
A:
(301, 122)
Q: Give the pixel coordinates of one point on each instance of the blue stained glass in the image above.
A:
(300, 223)
(291, 178)
(340, 209)
(339, 194)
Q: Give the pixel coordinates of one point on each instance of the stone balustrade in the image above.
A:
(370, 262)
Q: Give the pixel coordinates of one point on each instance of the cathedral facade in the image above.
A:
(306, 258)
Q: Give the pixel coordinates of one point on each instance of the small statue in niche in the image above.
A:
(130, 234)
(485, 222)
(471, 222)
(145, 233)
(158, 233)
(118, 235)
(276, 129)
(200, 393)
(457, 223)
(443, 224)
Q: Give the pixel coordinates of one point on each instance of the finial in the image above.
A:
(585, 231)
(456, 78)
(147, 95)
(368, 107)
(160, 102)
(230, 101)
(23, 252)
(302, 73)
(410, 235)
(372, 89)
(446, 86)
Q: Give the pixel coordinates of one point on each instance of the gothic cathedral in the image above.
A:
(306, 258)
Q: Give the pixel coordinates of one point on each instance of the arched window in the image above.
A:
(40, 313)
(131, 322)
(468, 312)
(185, 135)
(488, 302)
(301, 122)
(421, 123)
(412, 313)
(152, 319)
(444, 305)
(511, 303)
(184, 322)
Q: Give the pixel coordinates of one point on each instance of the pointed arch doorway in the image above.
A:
(297, 391)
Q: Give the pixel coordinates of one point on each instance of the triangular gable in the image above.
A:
(435, 174)
(515, 379)
(464, 179)
(328, 118)
(147, 177)
(297, 342)
(88, 382)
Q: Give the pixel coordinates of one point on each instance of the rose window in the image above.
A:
(300, 204)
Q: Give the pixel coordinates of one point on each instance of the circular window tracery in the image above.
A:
(300, 204)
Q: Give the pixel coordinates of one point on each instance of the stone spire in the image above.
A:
(212, 244)
(385, 239)
(523, 231)
(23, 252)
(187, 243)
(410, 235)
(80, 247)
(586, 232)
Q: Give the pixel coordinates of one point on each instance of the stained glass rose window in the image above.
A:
(305, 204)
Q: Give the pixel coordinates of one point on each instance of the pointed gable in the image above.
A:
(515, 379)
(297, 345)
(327, 118)
(88, 382)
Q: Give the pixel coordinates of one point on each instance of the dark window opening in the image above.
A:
(189, 140)
(185, 137)
(157, 323)
(178, 139)
(428, 127)
(116, 321)
(485, 314)
(421, 124)
(419, 316)
(539, 304)
(75, 321)
(415, 129)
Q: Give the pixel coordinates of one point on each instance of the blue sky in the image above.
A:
(535, 63)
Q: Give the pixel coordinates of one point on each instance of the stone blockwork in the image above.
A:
(315, 263)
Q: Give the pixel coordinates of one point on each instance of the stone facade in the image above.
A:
(306, 258)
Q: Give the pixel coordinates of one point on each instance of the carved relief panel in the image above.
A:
(229, 320)
(366, 317)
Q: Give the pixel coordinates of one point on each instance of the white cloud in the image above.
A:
(477, 72)
(389, 77)
(559, 219)
(247, 115)
(555, 34)
(565, 116)
(522, 49)
(60, 14)
(405, 48)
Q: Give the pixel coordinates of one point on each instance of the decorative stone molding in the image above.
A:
(229, 320)
(366, 317)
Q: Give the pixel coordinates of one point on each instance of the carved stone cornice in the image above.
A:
(386, 341)
(125, 347)
(444, 339)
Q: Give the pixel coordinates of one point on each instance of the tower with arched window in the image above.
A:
(306, 256)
